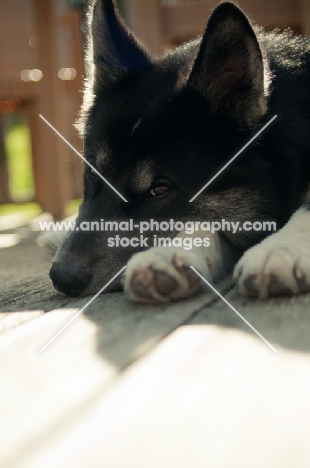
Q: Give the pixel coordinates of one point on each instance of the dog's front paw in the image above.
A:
(161, 275)
(276, 267)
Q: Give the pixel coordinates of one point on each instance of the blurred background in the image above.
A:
(42, 70)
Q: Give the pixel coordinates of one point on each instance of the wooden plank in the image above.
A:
(68, 30)
(38, 390)
(51, 164)
(47, 390)
(11, 320)
(38, 162)
(275, 13)
(11, 89)
(15, 51)
(205, 397)
(144, 17)
(25, 284)
(305, 17)
(184, 21)
(283, 321)
(211, 394)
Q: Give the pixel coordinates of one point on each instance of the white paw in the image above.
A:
(276, 267)
(161, 275)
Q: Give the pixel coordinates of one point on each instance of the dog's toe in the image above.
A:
(279, 286)
(302, 278)
(164, 283)
(183, 267)
(139, 288)
(274, 269)
(250, 285)
(163, 275)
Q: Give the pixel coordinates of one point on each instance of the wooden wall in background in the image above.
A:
(45, 35)
(162, 25)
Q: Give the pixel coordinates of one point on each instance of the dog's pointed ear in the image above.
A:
(229, 68)
(114, 50)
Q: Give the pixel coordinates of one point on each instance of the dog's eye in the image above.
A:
(159, 189)
(91, 171)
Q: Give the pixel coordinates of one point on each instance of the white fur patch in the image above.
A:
(161, 275)
(280, 264)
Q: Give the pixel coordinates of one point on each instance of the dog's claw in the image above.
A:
(301, 279)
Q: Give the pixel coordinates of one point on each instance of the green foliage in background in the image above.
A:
(73, 207)
(33, 209)
(19, 158)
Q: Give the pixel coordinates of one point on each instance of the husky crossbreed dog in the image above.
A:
(159, 129)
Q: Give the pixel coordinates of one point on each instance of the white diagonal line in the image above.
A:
(82, 310)
(234, 310)
(238, 154)
(82, 157)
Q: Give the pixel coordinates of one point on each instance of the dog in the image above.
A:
(159, 129)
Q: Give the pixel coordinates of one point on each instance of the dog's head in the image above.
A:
(158, 130)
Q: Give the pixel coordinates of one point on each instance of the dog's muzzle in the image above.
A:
(69, 279)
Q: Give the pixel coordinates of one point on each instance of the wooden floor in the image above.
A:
(129, 386)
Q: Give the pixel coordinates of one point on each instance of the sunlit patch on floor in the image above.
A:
(8, 240)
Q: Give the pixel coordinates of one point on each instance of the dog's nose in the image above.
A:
(69, 279)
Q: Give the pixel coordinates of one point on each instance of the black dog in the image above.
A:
(158, 130)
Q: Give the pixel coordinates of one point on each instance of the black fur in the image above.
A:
(194, 109)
